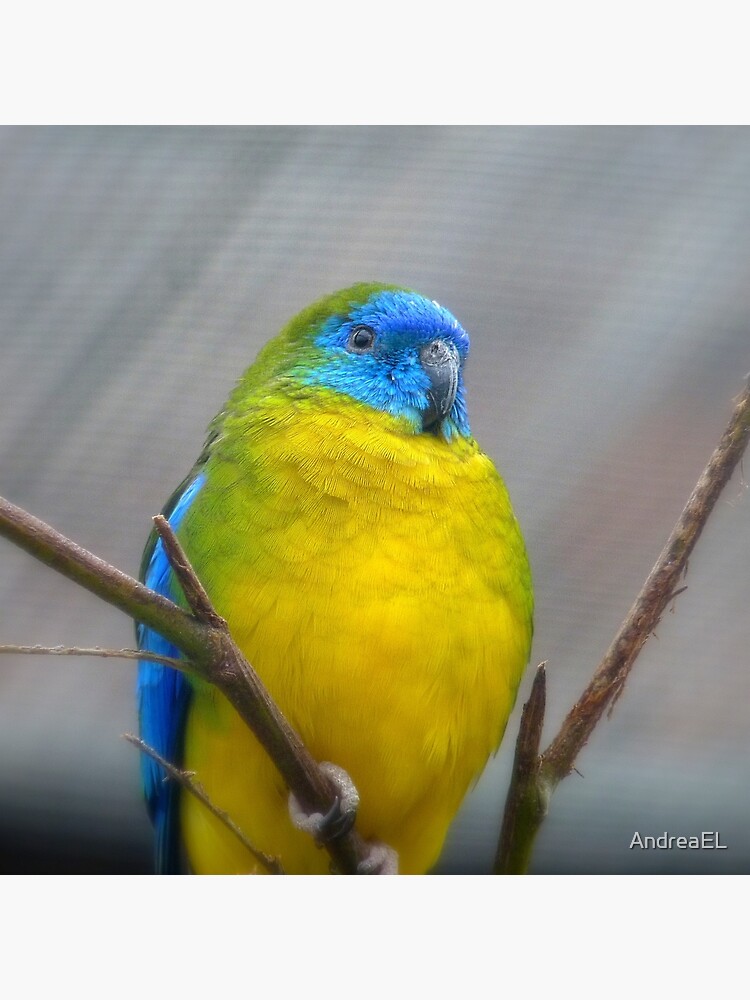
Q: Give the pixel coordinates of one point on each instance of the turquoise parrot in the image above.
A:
(364, 551)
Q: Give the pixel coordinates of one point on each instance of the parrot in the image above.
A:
(365, 554)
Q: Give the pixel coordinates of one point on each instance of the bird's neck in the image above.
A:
(324, 442)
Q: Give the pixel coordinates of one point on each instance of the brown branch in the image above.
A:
(120, 654)
(209, 653)
(194, 591)
(524, 804)
(186, 780)
(97, 576)
(663, 581)
(521, 823)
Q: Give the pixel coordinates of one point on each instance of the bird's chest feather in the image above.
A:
(372, 581)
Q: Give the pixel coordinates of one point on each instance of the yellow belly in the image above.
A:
(387, 607)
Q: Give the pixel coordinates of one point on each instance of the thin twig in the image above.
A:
(186, 780)
(110, 584)
(120, 654)
(194, 591)
(608, 681)
(609, 678)
(209, 651)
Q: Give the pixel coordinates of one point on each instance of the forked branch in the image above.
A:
(535, 775)
(202, 636)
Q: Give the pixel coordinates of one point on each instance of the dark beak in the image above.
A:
(441, 363)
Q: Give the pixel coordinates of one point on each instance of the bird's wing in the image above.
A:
(163, 695)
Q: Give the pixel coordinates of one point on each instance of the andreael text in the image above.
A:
(667, 842)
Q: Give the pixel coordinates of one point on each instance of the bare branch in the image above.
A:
(195, 594)
(523, 805)
(532, 786)
(186, 780)
(120, 654)
(110, 584)
(209, 652)
(660, 587)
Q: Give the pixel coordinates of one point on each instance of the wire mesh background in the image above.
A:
(604, 275)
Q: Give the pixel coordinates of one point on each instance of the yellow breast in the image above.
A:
(378, 583)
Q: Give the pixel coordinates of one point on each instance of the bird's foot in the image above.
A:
(339, 819)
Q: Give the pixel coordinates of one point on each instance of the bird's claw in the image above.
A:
(339, 819)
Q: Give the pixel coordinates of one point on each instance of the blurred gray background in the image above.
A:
(604, 275)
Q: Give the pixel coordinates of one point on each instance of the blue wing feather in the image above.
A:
(163, 697)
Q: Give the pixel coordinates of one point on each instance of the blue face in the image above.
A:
(400, 353)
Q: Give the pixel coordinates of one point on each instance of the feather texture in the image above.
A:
(372, 571)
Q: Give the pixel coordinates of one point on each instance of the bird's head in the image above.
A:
(386, 347)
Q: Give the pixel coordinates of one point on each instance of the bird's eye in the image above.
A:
(361, 339)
